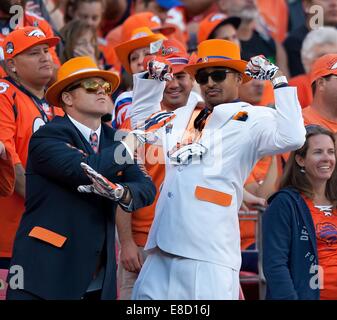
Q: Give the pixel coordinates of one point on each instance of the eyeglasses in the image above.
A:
(217, 76)
(92, 86)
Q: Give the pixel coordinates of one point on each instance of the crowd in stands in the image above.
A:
(297, 189)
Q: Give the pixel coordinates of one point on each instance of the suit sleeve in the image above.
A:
(140, 184)
(280, 130)
(147, 95)
(52, 155)
(276, 237)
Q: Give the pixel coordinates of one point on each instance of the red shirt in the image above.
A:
(19, 119)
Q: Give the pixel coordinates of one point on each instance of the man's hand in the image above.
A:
(261, 68)
(145, 132)
(101, 185)
(158, 68)
(131, 257)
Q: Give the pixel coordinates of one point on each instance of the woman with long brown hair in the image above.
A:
(300, 224)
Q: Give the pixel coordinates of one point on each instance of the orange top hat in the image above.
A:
(140, 37)
(174, 52)
(212, 21)
(144, 19)
(218, 53)
(324, 66)
(76, 69)
(22, 39)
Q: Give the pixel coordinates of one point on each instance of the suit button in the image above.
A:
(170, 194)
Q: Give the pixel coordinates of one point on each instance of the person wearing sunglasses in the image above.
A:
(299, 226)
(68, 225)
(194, 243)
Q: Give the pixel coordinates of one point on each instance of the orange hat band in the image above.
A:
(205, 59)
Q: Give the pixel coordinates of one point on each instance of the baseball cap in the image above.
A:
(324, 66)
(174, 52)
(24, 38)
(212, 21)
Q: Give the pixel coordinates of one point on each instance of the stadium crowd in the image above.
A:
(133, 133)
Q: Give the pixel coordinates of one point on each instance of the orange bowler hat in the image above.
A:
(22, 39)
(218, 53)
(145, 19)
(76, 69)
(140, 38)
(212, 21)
(324, 66)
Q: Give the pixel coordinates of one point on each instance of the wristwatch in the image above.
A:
(279, 81)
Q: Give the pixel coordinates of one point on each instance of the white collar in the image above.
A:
(85, 130)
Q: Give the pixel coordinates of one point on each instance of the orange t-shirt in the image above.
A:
(247, 227)
(275, 14)
(142, 218)
(326, 238)
(304, 91)
(311, 116)
(19, 119)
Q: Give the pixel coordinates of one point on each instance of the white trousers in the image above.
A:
(168, 277)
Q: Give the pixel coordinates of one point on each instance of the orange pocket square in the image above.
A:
(48, 236)
(210, 195)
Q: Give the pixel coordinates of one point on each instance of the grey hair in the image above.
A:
(320, 36)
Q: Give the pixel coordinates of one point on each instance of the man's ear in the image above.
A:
(67, 98)
(320, 82)
(10, 64)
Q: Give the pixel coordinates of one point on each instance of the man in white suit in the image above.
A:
(194, 241)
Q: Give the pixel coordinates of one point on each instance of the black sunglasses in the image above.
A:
(217, 76)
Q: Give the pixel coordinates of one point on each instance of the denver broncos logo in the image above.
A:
(327, 232)
(36, 33)
(3, 87)
(169, 50)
